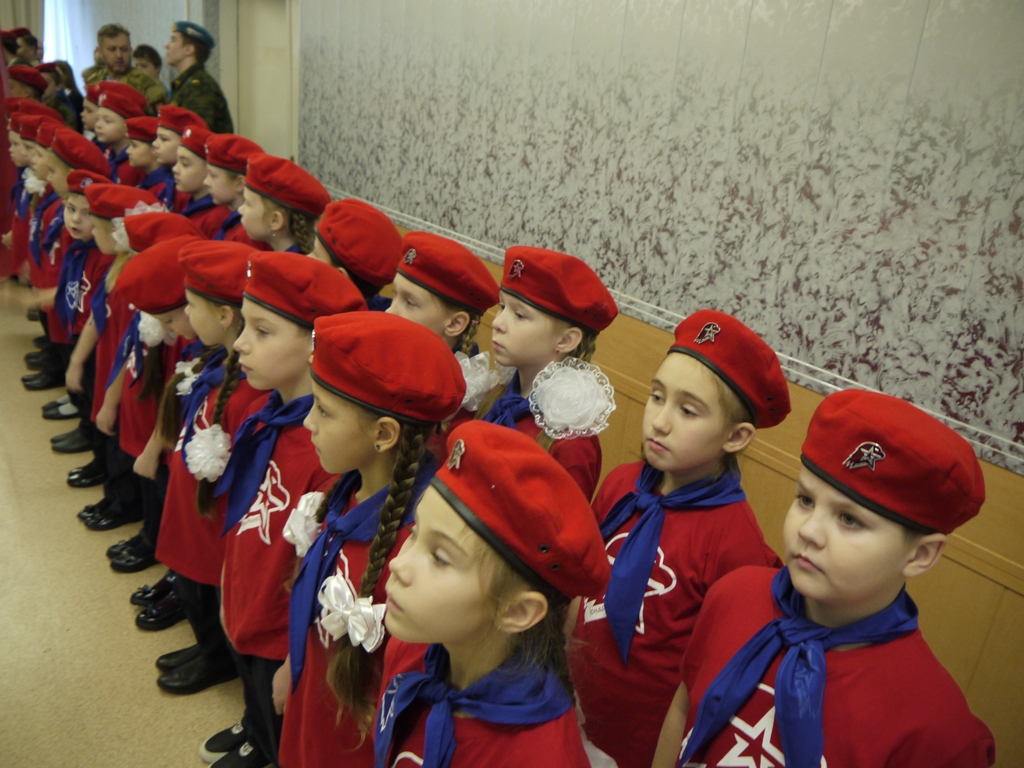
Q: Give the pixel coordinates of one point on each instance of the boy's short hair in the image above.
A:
(111, 30)
(202, 50)
(148, 53)
(11, 44)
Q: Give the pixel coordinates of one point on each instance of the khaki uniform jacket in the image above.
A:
(196, 89)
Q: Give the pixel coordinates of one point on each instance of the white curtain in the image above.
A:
(70, 34)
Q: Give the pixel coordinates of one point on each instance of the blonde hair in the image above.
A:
(301, 225)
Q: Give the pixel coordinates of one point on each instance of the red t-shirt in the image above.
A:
(19, 242)
(96, 265)
(556, 743)
(137, 418)
(119, 315)
(189, 543)
(624, 705)
(890, 704)
(129, 176)
(258, 561)
(209, 219)
(237, 234)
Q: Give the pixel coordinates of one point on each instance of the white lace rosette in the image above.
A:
(302, 528)
(343, 612)
(151, 330)
(120, 235)
(480, 378)
(189, 373)
(572, 399)
(33, 183)
(208, 452)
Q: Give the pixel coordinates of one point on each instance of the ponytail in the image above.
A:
(169, 416)
(152, 374)
(303, 229)
(115, 269)
(232, 370)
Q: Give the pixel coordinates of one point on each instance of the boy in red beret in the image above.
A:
(21, 197)
(159, 178)
(503, 541)
(227, 156)
(171, 123)
(282, 203)
(118, 102)
(190, 180)
(674, 524)
(822, 662)
(90, 108)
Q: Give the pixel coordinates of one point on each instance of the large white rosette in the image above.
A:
(33, 183)
(189, 370)
(151, 330)
(120, 235)
(207, 453)
(342, 612)
(571, 399)
(302, 528)
(480, 377)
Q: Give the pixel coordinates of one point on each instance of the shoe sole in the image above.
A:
(135, 568)
(189, 690)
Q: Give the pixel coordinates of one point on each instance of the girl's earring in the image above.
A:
(377, 446)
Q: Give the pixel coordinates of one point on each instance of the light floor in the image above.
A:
(77, 679)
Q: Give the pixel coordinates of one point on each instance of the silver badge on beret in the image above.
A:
(248, 270)
(865, 455)
(458, 450)
(312, 341)
(516, 270)
(410, 256)
(708, 333)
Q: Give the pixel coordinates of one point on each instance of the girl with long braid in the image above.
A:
(370, 421)
(281, 203)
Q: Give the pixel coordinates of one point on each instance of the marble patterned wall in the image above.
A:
(846, 176)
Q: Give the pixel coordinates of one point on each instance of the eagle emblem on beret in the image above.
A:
(708, 333)
(410, 256)
(865, 455)
(458, 450)
(516, 270)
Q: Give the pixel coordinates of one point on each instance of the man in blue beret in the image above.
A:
(195, 88)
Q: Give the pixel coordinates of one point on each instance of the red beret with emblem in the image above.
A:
(122, 99)
(47, 130)
(526, 506)
(741, 359)
(362, 240)
(194, 139)
(112, 201)
(217, 269)
(147, 229)
(142, 128)
(560, 285)
(78, 152)
(286, 184)
(177, 119)
(29, 125)
(299, 288)
(893, 458)
(30, 76)
(29, 107)
(448, 269)
(231, 152)
(79, 181)
(419, 380)
(153, 281)
(92, 93)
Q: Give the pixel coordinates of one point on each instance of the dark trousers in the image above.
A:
(153, 493)
(262, 723)
(201, 604)
(52, 364)
(122, 490)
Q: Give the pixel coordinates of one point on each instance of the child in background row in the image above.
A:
(90, 108)
(370, 422)
(673, 525)
(822, 662)
(282, 203)
(363, 243)
(142, 155)
(190, 180)
(117, 103)
(227, 157)
(171, 124)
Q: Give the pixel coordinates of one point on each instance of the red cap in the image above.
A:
(286, 184)
(47, 130)
(92, 93)
(526, 506)
(418, 380)
(46, 67)
(300, 288)
(217, 270)
(122, 99)
(142, 128)
(194, 139)
(29, 107)
(20, 31)
(12, 104)
(79, 181)
(147, 229)
(113, 201)
(449, 269)
(30, 125)
(741, 359)
(231, 152)
(559, 284)
(78, 152)
(153, 280)
(28, 75)
(362, 240)
(177, 119)
(893, 458)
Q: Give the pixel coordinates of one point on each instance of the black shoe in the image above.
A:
(147, 595)
(161, 615)
(61, 412)
(108, 522)
(32, 315)
(63, 400)
(40, 342)
(86, 477)
(35, 382)
(246, 756)
(194, 676)
(175, 659)
(65, 436)
(124, 545)
(91, 510)
(75, 443)
(35, 360)
(130, 562)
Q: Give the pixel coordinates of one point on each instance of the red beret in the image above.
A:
(142, 128)
(113, 201)
(47, 130)
(92, 93)
(29, 107)
(741, 359)
(526, 506)
(21, 31)
(7, 34)
(231, 152)
(217, 269)
(12, 103)
(286, 184)
(418, 380)
(47, 66)
(449, 269)
(122, 99)
(893, 458)
(559, 284)
(79, 181)
(28, 75)
(194, 139)
(78, 152)
(153, 280)
(146, 229)
(362, 240)
(300, 288)
(30, 125)
(177, 119)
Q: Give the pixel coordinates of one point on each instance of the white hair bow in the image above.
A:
(344, 612)
(302, 528)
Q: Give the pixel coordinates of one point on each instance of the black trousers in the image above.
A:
(262, 724)
(122, 490)
(52, 360)
(201, 604)
(153, 493)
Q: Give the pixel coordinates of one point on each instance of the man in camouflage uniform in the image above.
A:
(116, 51)
(195, 88)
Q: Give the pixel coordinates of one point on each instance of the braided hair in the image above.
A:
(303, 227)
(232, 375)
(152, 375)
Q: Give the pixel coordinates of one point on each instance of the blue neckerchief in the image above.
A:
(69, 283)
(198, 206)
(211, 376)
(378, 303)
(632, 568)
(192, 350)
(359, 524)
(800, 681)
(35, 235)
(20, 198)
(294, 248)
(510, 407)
(53, 232)
(129, 341)
(230, 222)
(252, 450)
(101, 145)
(510, 695)
(162, 175)
(98, 304)
(115, 162)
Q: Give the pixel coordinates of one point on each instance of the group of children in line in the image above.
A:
(388, 535)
